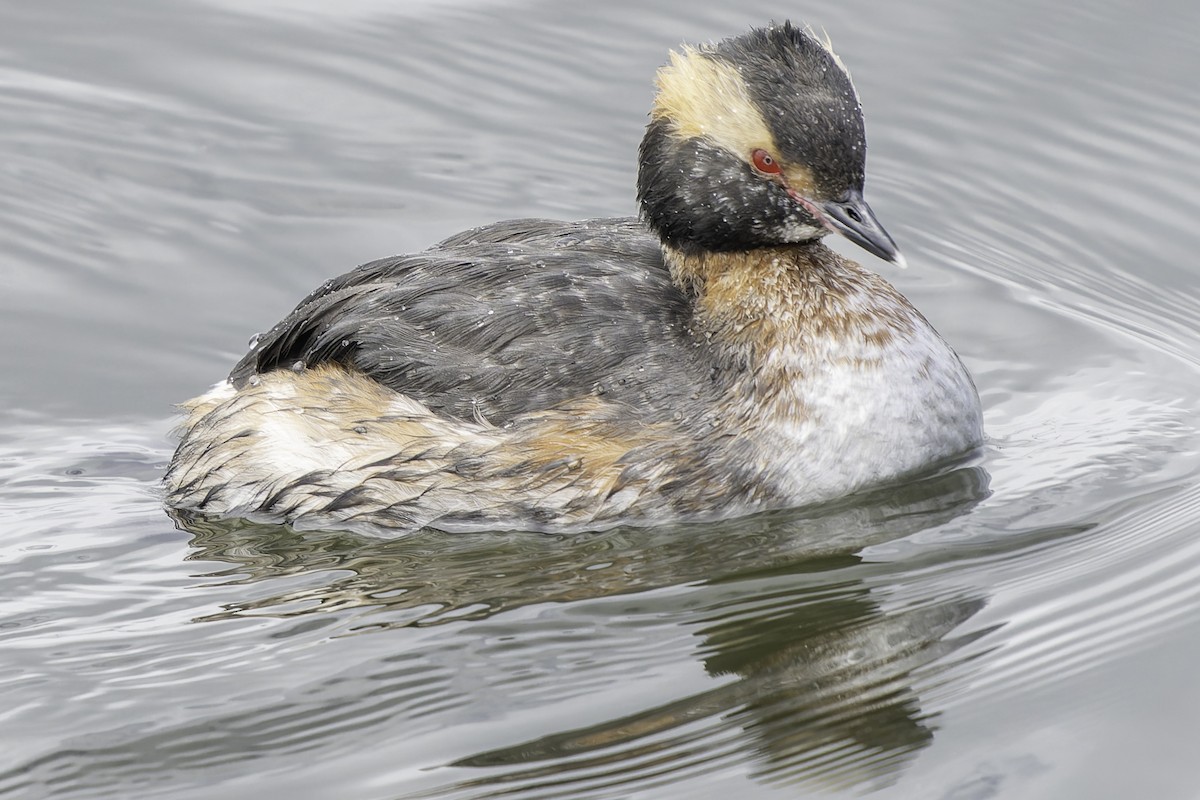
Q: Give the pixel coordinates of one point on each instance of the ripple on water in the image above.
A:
(956, 637)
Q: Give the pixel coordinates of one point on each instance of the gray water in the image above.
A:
(176, 174)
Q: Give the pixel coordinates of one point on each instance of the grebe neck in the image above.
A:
(794, 295)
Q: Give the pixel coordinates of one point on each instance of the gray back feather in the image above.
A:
(512, 317)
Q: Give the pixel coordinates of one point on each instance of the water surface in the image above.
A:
(176, 175)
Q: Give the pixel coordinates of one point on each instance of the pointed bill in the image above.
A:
(855, 220)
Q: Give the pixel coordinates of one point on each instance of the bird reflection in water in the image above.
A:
(813, 661)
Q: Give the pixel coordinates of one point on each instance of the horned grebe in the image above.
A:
(712, 358)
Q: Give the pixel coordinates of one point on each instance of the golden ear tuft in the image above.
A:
(707, 97)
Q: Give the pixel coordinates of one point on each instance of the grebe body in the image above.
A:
(711, 358)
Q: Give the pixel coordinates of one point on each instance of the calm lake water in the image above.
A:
(176, 174)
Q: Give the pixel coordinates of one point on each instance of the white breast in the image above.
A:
(856, 414)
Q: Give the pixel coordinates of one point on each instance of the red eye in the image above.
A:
(764, 163)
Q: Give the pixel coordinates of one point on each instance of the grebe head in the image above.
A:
(757, 141)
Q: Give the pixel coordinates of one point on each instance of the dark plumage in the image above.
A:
(827, 132)
(515, 316)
